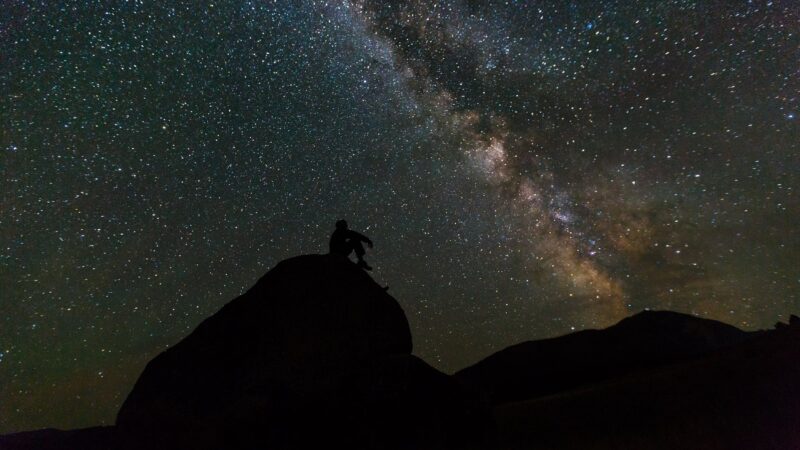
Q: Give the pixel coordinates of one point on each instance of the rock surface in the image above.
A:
(315, 354)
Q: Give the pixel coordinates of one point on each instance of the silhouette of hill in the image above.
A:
(746, 396)
(308, 319)
(317, 355)
(646, 340)
(314, 355)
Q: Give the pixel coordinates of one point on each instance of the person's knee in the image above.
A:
(359, 249)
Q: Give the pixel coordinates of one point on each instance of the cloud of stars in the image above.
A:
(524, 168)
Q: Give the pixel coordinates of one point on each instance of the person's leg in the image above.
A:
(359, 249)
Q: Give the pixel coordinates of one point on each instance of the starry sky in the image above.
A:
(525, 168)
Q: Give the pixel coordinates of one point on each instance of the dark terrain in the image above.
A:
(317, 355)
(647, 340)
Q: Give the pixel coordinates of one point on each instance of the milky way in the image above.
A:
(524, 168)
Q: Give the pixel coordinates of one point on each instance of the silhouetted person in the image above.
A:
(343, 241)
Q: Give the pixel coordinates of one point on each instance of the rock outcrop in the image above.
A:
(315, 354)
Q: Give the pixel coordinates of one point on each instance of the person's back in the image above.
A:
(338, 243)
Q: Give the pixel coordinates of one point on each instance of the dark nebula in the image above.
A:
(525, 168)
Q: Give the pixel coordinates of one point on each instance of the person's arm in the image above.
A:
(360, 237)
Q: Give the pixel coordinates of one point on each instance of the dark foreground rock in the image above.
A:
(315, 355)
(308, 321)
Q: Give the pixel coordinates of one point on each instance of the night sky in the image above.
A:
(524, 168)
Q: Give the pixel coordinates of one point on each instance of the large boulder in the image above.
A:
(315, 354)
(306, 319)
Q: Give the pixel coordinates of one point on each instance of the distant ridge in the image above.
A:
(646, 340)
(742, 397)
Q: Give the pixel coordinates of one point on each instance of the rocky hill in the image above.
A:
(646, 340)
(314, 355)
(744, 396)
(317, 355)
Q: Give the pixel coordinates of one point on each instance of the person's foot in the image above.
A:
(363, 264)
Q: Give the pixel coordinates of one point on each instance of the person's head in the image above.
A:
(341, 224)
